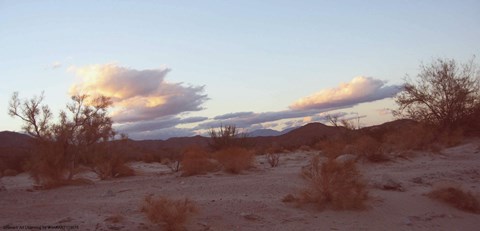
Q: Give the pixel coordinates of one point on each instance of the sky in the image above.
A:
(179, 68)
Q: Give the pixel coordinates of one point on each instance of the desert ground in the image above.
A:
(252, 200)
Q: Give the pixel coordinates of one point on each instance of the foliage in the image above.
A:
(235, 159)
(172, 213)
(369, 148)
(63, 145)
(226, 137)
(334, 184)
(445, 94)
(456, 197)
(197, 161)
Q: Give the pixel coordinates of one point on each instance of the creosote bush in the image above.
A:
(196, 160)
(333, 184)
(368, 148)
(445, 94)
(331, 148)
(456, 197)
(416, 137)
(62, 146)
(108, 166)
(173, 214)
(235, 159)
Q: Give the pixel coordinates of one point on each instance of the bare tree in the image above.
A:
(445, 94)
(62, 145)
(333, 119)
(36, 117)
(226, 136)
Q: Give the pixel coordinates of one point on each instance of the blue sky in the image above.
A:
(251, 60)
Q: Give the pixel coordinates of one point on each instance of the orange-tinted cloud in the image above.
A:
(358, 90)
(138, 95)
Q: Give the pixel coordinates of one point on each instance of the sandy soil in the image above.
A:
(252, 200)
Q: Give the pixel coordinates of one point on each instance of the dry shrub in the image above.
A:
(332, 148)
(235, 159)
(150, 158)
(334, 184)
(416, 137)
(369, 148)
(456, 197)
(273, 159)
(172, 213)
(108, 166)
(196, 161)
(451, 138)
(46, 167)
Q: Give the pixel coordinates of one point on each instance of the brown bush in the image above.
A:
(150, 158)
(416, 137)
(456, 197)
(331, 148)
(108, 166)
(334, 184)
(235, 159)
(172, 213)
(196, 161)
(46, 167)
(368, 148)
(451, 138)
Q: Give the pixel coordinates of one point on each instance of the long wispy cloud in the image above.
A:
(358, 90)
(139, 95)
(312, 108)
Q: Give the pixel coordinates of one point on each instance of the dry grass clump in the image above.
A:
(273, 159)
(416, 137)
(46, 167)
(196, 160)
(108, 166)
(451, 138)
(456, 197)
(331, 148)
(235, 159)
(333, 184)
(369, 148)
(172, 213)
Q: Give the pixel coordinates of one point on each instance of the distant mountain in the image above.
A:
(264, 132)
(269, 132)
(14, 150)
(310, 134)
(14, 140)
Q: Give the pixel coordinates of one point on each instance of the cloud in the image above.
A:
(56, 65)
(358, 90)
(248, 119)
(138, 95)
(233, 115)
(157, 124)
(162, 134)
(384, 112)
